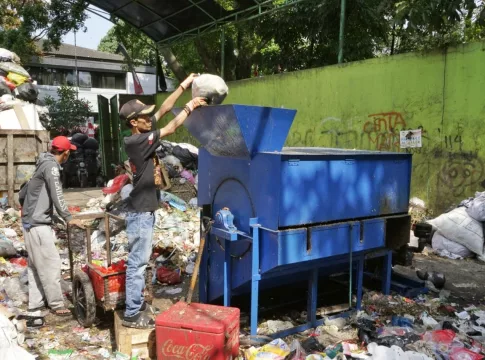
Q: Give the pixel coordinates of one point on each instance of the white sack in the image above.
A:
(459, 227)
(441, 243)
(211, 87)
(476, 208)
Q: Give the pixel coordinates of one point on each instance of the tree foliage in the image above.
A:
(306, 35)
(66, 112)
(22, 22)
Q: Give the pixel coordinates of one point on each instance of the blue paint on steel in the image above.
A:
(227, 274)
(387, 271)
(312, 297)
(360, 282)
(225, 220)
(255, 277)
(330, 188)
(239, 131)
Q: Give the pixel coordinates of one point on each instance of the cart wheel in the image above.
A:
(83, 299)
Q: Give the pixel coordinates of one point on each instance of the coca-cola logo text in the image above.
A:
(192, 352)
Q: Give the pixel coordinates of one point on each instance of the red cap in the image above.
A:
(62, 143)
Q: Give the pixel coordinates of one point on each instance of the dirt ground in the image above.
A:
(464, 278)
(80, 197)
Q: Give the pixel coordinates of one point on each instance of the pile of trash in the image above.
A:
(181, 163)
(457, 234)
(15, 82)
(390, 327)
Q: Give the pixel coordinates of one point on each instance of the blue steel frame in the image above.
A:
(312, 322)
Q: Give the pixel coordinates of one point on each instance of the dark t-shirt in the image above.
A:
(140, 149)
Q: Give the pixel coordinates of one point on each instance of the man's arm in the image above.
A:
(173, 125)
(169, 103)
(54, 188)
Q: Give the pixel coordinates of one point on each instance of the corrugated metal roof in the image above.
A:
(67, 50)
(168, 20)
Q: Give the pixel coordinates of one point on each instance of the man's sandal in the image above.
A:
(63, 312)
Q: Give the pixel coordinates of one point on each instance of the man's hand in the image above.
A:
(187, 82)
(195, 103)
(76, 223)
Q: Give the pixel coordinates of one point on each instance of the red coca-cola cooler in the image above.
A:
(198, 332)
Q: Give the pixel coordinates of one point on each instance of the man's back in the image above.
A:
(42, 193)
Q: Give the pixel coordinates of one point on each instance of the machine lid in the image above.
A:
(240, 131)
(199, 317)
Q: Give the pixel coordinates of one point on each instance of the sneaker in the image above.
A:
(142, 320)
(150, 309)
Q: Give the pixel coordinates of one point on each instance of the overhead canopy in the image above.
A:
(165, 21)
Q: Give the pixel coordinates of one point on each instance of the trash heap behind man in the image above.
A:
(144, 198)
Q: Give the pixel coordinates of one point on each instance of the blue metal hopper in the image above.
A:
(240, 131)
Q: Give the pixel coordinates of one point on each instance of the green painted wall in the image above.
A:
(364, 105)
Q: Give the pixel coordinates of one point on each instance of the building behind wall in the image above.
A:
(99, 73)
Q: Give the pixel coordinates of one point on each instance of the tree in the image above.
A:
(22, 22)
(429, 24)
(306, 35)
(141, 48)
(66, 112)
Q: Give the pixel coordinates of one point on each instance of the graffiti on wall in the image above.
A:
(383, 130)
(461, 170)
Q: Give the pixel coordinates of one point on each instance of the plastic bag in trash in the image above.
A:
(173, 200)
(460, 227)
(15, 290)
(7, 82)
(211, 87)
(476, 208)
(167, 276)
(14, 68)
(118, 183)
(441, 243)
(275, 350)
(8, 56)
(6, 247)
(17, 79)
(4, 89)
(27, 92)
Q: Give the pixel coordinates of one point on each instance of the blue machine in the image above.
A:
(291, 214)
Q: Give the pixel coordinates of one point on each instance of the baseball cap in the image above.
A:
(62, 143)
(135, 107)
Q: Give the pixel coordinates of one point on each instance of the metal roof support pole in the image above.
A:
(343, 5)
(223, 57)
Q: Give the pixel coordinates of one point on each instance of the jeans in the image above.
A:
(139, 229)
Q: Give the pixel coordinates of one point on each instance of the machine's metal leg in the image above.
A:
(360, 281)
(227, 274)
(255, 277)
(312, 297)
(386, 273)
(203, 286)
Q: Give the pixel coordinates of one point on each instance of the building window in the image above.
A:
(84, 79)
(87, 79)
(55, 77)
(108, 80)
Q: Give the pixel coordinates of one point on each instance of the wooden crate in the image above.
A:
(128, 339)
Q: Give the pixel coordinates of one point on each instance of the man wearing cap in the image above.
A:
(38, 198)
(144, 198)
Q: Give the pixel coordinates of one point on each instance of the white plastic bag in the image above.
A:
(10, 340)
(459, 227)
(441, 243)
(476, 208)
(211, 87)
